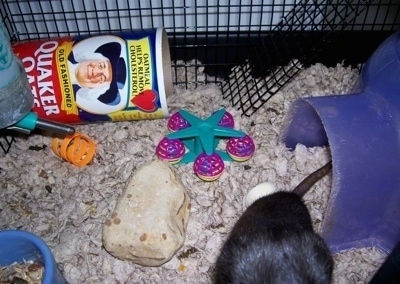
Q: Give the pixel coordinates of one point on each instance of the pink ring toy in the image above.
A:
(171, 150)
(208, 167)
(227, 120)
(240, 149)
(177, 122)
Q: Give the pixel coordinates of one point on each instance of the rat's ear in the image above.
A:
(261, 190)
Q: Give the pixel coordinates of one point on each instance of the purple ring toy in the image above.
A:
(227, 120)
(208, 167)
(240, 149)
(171, 150)
(177, 122)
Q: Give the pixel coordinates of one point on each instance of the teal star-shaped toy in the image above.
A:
(204, 135)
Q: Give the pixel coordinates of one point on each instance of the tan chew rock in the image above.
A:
(148, 224)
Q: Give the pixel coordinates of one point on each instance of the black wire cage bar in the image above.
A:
(252, 48)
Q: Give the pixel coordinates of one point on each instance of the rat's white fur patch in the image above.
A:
(261, 190)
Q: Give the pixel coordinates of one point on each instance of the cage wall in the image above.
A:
(218, 34)
(252, 48)
(215, 33)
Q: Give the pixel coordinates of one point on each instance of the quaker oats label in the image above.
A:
(125, 76)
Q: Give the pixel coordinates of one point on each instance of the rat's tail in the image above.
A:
(309, 181)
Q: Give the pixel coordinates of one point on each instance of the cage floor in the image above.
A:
(67, 206)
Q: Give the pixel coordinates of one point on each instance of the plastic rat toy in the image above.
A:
(274, 241)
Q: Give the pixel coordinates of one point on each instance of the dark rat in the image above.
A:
(274, 242)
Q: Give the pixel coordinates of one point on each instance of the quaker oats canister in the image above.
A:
(115, 77)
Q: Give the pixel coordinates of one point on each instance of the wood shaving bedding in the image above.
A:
(67, 206)
(28, 272)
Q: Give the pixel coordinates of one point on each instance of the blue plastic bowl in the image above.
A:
(17, 246)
